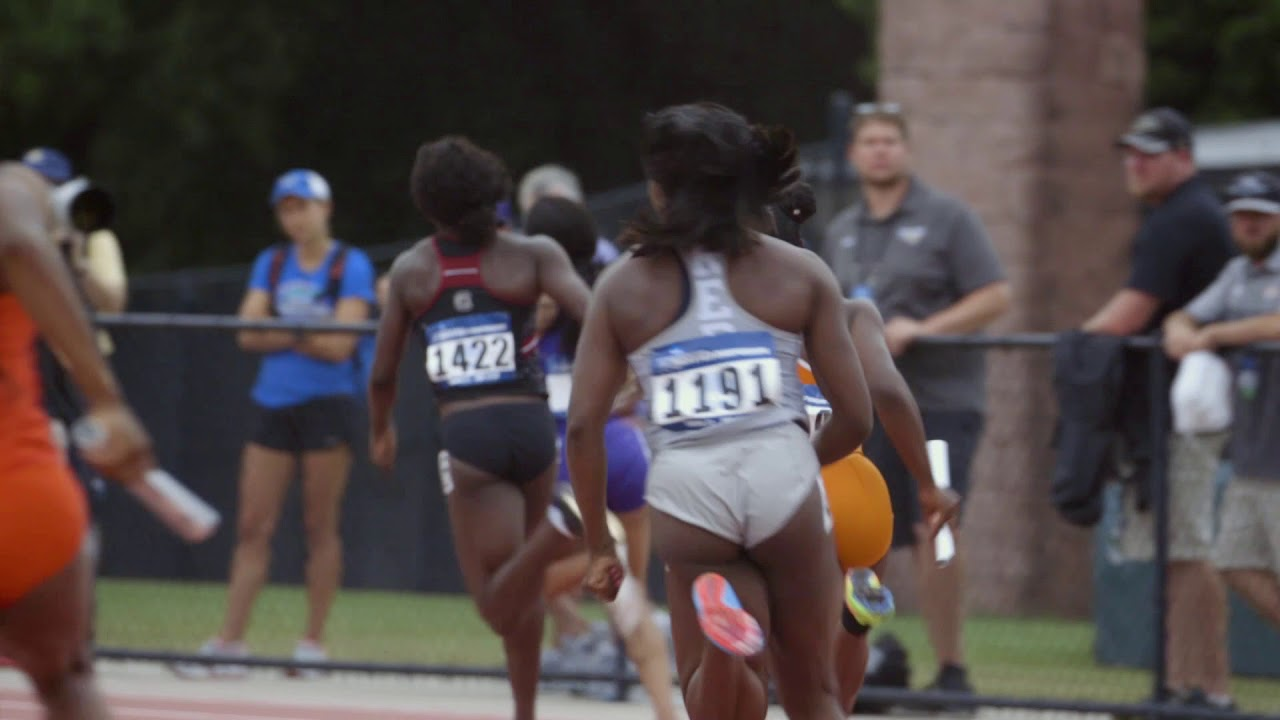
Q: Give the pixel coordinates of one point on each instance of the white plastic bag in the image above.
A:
(1201, 394)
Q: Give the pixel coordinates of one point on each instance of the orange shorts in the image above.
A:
(861, 514)
(43, 520)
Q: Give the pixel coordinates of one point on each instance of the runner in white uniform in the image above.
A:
(712, 316)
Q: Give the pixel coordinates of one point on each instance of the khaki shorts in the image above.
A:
(1250, 534)
(1193, 470)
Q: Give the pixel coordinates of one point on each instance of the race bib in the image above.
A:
(471, 350)
(558, 385)
(702, 382)
(817, 407)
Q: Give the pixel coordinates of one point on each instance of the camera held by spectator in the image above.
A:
(83, 206)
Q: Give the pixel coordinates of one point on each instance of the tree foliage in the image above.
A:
(187, 110)
(1216, 61)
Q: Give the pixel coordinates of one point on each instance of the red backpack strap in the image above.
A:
(337, 268)
(278, 257)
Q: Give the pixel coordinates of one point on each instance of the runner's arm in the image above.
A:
(37, 276)
(598, 375)
(829, 348)
(890, 396)
(393, 330)
(560, 281)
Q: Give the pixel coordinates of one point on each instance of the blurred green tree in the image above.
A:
(1216, 61)
(187, 110)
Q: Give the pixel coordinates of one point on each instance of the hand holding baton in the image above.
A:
(944, 545)
(178, 508)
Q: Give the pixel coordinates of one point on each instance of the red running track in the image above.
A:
(21, 706)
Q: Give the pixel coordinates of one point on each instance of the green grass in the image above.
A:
(1007, 656)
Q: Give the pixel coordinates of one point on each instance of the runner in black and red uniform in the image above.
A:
(473, 289)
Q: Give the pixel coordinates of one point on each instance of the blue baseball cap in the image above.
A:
(53, 165)
(305, 184)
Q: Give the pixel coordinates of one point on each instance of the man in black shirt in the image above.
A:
(1181, 246)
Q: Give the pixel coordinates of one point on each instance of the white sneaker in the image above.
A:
(215, 648)
(307, 651)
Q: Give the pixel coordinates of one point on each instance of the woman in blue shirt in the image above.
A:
(306, 398)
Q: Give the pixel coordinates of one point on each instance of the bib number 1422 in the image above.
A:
(471, 360)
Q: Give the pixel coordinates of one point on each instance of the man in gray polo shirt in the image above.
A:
(1241, 307)
(927, 263)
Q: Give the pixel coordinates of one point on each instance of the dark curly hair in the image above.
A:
(571, 226)
(457, 185)
(717, 173)
(794, 205)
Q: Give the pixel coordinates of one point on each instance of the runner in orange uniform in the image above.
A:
(862, 518)
(858, 498)
(45, 575)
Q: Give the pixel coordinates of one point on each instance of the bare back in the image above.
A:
(784, 286)
(509, 268)
(476, 306)
(775, 282)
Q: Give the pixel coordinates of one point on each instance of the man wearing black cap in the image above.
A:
(1242, 307)
(1181, 245)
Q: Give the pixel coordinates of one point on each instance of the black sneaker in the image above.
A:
(887, 667)
(952, 679)
(1162, 696)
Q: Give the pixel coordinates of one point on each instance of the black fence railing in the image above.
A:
(136, 326)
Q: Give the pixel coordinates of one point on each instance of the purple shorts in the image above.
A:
(628, 464)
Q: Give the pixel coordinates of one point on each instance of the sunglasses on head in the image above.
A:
(877, 108)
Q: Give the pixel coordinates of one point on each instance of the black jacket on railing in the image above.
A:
(1103, 423)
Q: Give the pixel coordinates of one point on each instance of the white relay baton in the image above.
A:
(181, 510)
(944, 545)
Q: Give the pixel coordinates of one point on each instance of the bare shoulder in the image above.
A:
(862, 310)
(625, 274)
(796, 260)
(25, 209)
(19, 181)
(416, 259)
(540, 245)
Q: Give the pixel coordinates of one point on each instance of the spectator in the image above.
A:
(1241, 307)
(558, 181)
(1181, 245)
(97, 265)
(926, 262)
(94, 257)
(306, 395)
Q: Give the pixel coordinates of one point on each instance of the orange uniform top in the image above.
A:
(43, 511)
(24, 426)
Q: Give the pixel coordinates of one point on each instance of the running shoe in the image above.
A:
(307, 651)
(866, 599)
(214, 648)
(722, 618)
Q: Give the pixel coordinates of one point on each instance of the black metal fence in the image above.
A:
(190, 385)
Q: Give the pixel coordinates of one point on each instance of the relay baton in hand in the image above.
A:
(944, 545)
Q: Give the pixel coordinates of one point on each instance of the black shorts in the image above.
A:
(962, 429)
(320, 424)
(513, 441)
